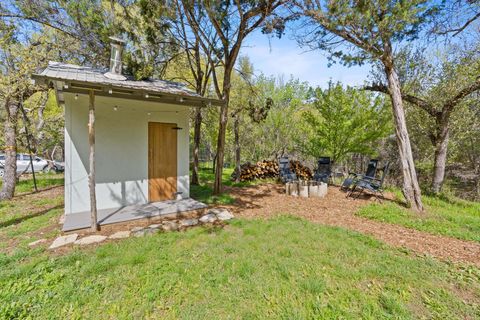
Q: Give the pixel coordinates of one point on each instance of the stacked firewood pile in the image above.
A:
(269, 169)
(260, 170)
(302, 172)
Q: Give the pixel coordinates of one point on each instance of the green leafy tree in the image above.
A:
(44, 123)
(71, 31)
(369, 31)
(90, 23)
(465, 150)
(437, 84)
(276, 134)
(190, 65)
(242, 91)
(344, 121)
(17, 60)
(231, 22)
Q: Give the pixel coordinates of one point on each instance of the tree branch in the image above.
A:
(471, 88)
(350, 36)
(36, 20)
(407, 97)
(458, 30)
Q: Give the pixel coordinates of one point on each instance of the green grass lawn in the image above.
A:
(44, 180)
(284, 268)
(203, 192)
(22, 218)
(444, 216)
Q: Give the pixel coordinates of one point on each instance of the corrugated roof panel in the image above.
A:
(62, 72)
(67, 72)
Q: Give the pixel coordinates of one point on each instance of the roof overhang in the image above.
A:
(62, 86)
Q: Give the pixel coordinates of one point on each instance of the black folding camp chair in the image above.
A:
(285, 173)
(324, 170)
(372, 185)
(352, 177)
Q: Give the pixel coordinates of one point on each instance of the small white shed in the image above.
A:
(140, 144)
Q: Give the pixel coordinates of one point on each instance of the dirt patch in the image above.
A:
(336, 210)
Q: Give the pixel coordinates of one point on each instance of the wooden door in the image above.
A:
(162, 161)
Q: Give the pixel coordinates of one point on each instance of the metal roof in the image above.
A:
(66, 73)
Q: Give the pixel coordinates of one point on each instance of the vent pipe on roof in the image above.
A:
(115, 71)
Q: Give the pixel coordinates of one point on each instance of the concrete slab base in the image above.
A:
(81, 220)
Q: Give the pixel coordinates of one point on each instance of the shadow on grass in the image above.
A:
(39, 191)
(43, 182)
(204, 193)
(27, 217)
(447, 198)
(245, 198)
(26, 187)
(367, 195)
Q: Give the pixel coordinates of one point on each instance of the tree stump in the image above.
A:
(306, 189)
(291, 188)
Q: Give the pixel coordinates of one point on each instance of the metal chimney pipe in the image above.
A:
(115, 71)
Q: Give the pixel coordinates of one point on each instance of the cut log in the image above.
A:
(269, 169)
(260, 170)
(302, 172)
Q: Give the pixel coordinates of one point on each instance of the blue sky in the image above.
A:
(283, 57)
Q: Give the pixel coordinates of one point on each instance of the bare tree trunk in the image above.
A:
(91, 174)
(196, 144)
(217, 186)
(29, 146)
(10, 168)
(411, 189)
(214, 163)
(476, 183)
(441, 145)
(41, 121)
(236, 127)
(441, 115)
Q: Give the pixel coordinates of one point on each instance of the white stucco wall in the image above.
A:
(121, 150)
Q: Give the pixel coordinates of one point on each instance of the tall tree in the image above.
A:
(82, 29)
(242, 92)
(438, 85)
(370, 29)
(91, 22)
(232, 22)
(17, 59)
(23, 51)
(199, 75)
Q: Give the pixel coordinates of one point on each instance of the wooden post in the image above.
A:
(91, 174)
